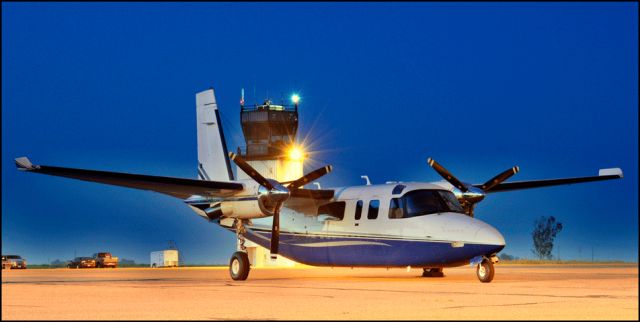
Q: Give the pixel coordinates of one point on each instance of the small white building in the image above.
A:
(164, 258)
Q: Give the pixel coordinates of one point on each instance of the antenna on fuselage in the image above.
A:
(366, 178)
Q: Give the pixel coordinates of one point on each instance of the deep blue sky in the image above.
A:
(551, 87)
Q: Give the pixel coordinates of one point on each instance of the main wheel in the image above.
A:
(239, 266)
(432, 272)
(485, 271)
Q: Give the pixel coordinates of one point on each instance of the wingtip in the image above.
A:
(610, 172)
(516, 169)
(23, 163)
(232, 155)
(329, 168)
(430, 161)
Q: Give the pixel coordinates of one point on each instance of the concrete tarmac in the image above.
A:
(517, 292)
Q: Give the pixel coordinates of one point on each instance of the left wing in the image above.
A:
(175, 187)
(603, 174)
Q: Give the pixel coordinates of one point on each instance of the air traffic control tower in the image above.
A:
(270, 135)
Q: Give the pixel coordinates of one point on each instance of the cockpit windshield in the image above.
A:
(423, 202)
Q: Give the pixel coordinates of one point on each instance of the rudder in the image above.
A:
(213, 164)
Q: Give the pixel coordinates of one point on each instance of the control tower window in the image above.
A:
(374, 206)
(333, 209)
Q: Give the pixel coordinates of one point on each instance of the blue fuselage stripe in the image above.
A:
(354, 251)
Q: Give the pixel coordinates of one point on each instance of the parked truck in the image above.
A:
(105, 260)
(13, 261)
(164, 258)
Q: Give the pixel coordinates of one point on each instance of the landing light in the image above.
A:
(295, 153)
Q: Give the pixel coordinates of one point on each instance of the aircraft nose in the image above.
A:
(489, 236)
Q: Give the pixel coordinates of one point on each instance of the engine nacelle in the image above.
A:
(255, 204)
(245, 209)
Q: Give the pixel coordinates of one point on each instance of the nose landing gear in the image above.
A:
(485, 270)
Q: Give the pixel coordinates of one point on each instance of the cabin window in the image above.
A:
(374, 206)
(396, 208)
(333, 209)
(358, 209)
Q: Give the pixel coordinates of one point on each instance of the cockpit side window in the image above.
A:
(396, 208)
(398, 189)
(423, 202)
(374, 206)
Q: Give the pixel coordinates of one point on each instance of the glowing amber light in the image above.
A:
(295, 98)
(295, 153)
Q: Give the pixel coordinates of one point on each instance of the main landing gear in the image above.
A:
(432, 272)
(239, 265)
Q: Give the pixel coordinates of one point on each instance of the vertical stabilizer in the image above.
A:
(213, 163)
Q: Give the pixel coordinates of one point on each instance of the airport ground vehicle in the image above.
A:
(13, 262)
(105, 260)
(82, 262)
(164, 258)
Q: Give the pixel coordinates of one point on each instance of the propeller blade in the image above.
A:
(250, 171)
(499, 179)
(311, 176)
(447, 175)
(275, 233)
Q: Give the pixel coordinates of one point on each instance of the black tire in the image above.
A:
(432, 272)
(485, 271)
(239, 266)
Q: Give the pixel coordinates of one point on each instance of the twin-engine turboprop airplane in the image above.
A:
(428, 225)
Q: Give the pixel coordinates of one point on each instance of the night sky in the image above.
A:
(550, 87)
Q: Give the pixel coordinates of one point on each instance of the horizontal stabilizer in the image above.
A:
(176, 187)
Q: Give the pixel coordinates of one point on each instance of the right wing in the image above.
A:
(175, 187)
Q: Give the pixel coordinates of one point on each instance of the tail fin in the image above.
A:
(213, 163)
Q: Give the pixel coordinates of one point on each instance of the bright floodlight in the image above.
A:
(295, 98)
(295, 153)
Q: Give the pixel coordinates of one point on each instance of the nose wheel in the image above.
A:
(485, 270)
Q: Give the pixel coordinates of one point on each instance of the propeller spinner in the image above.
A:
(277, 193)
(470, 195)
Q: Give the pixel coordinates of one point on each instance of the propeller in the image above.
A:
(468, 194)
(277, 194)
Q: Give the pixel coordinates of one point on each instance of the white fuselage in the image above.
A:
(445, 238)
